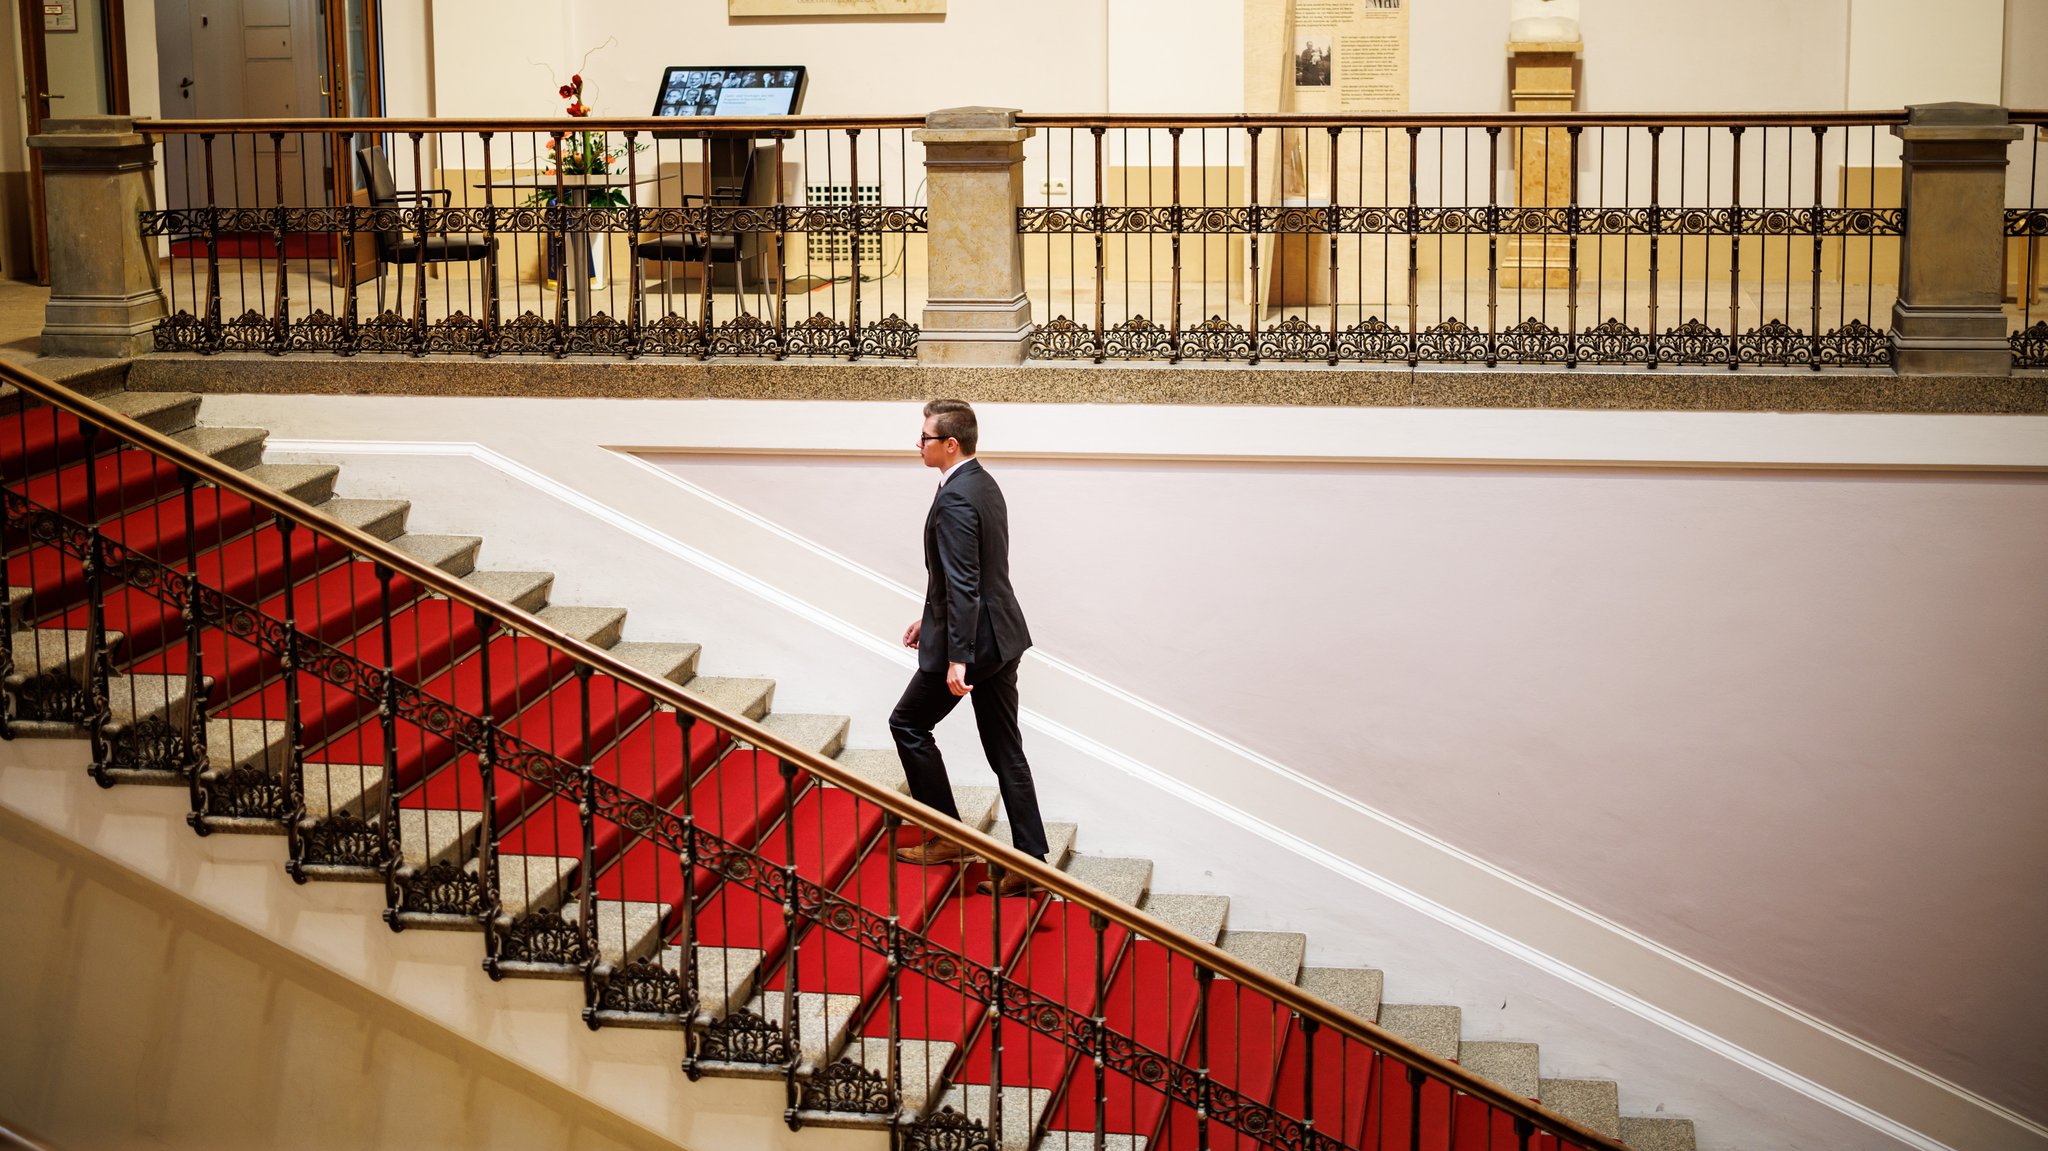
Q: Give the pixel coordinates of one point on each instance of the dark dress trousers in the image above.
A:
(970, 616)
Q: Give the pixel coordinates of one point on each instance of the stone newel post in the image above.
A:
(976, 312)
(104, 298)
(1948, 319)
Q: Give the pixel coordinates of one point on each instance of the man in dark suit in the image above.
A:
(968, 642)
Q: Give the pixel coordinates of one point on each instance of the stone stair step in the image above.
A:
(1651, 1133)
(54, 649)
(1085, 1141)
(1059, 837)
(1431, 1027)
(455, 555)
(977, 805)
(166, 412)
(1596, 1103)
(822, 1022)
(1354, 989)
(881, 765)
(384, 519)
(1022, 1107)
(823, 735)
(236, 447)
(357, 788)
(675, 662)
(725, 976)
(1277, 953)
(306, 483)
(234, 743)
(626, 929)
(526, 882)
(920, 1063)
(1124, 880)
(427, 837)
(527, 591)
(740, 695)
(1199, 916)
(1513, 1066)
(596, 626)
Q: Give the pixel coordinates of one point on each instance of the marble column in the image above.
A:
(976, 311)
(104, 295)
(1542, 77)
(1949, 317)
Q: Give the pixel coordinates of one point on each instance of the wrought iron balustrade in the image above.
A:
(595, 821)
(783, 237)
(2026, 230)
(1563, 239)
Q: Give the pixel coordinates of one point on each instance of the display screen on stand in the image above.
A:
(693, 91)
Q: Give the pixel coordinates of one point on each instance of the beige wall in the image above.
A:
(131, 1019)
(1155, 56)
(1782, 723)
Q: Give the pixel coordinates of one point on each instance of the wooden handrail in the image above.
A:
(1465, 119)
(667, 125)
(1040, 874)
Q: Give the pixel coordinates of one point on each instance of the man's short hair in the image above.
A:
(955, 421)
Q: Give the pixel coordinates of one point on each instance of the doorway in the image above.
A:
(74, 62)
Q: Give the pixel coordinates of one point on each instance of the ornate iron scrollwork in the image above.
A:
(893, 338)
(948, 1130)
(847, 1086)
(443, 888)
(1062, 339)
(543, 936)
(343, 840)
(1138, 339)
(1216, 339)
(744, 1037)
(642, 987)
(1613, 342)
(1532, 342)
(1692, 342)
(151, 745)
(1453, 341)
(54, 696)
(2029, 347)
(247, 792)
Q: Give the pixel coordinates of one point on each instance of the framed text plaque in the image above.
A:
(829, 8)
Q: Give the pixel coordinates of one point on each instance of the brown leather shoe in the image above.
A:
(1012, 884)
(933, 850)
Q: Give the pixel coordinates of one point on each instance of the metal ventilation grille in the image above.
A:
(827, 247)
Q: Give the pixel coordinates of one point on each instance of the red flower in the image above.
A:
(565, 92)
(579, 108)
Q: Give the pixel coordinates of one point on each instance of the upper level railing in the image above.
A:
(1639, 240)
(1554, 238)
(596, 821)
(796, 236)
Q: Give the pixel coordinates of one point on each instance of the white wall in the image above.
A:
(1155, 56)
(1450, 720)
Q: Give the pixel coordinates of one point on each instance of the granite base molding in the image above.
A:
(1582, 389)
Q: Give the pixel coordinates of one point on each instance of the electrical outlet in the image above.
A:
(1054, 187)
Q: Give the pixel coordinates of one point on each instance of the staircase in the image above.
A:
(378, 782)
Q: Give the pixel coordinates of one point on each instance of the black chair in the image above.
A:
(398, 246)
(732, 184)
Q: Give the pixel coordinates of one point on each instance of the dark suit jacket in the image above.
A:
(970, 611)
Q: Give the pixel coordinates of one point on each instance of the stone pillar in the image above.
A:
(976, 311)
(1948, 319)
(1542, 77)
(104, 295)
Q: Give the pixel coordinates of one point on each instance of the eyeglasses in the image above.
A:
(923, 440)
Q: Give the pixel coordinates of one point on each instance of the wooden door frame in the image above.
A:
(342, 160)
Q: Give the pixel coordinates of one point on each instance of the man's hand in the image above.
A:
(956, 679)
(911, 633)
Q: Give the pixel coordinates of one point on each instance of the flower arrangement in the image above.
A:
(584, 152)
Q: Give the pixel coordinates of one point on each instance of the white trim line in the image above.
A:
(1606, 991)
